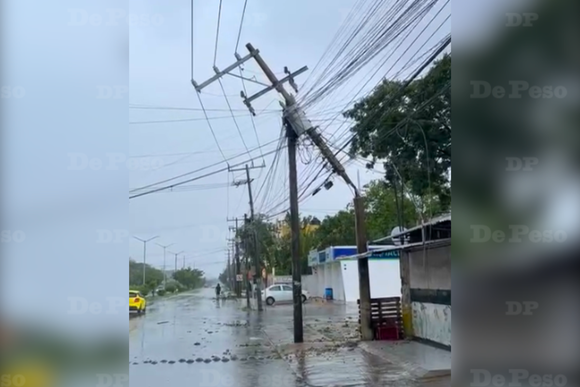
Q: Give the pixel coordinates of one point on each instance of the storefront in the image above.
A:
(336, 268)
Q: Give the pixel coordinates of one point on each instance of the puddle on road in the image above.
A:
(237, 353)
(329, 365)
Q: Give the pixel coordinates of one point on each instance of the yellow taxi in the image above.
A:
(137, 303)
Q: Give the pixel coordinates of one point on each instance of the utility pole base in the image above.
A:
(363, 271)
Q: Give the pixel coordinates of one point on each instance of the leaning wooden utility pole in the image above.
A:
(298, 122)
(301, 125)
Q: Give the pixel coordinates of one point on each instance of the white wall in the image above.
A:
(334, 280)
(350, 279)
(310, 284)
(385, 279)
(325, 276)
(338, 289)
(432, 322)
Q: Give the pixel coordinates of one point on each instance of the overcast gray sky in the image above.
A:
(160, 71)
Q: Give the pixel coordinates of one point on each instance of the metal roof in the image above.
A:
(431, 222)
(443, 242)
(383, 248)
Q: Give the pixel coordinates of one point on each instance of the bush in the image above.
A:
(170, 288)
(161, 292)
(144, 290)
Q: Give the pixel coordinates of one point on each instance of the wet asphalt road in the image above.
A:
(192, 339)
(211, 344)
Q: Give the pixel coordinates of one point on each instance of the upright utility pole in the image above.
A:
(176, 254)
(247, 280)
(295, 231)
(236, 256)
(164, 270)
(257, 268)
(229, 270)
(256, 253)
(145, 253)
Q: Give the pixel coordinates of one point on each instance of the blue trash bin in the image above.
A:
(328, 293)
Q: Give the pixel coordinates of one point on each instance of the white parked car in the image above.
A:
(281, 293)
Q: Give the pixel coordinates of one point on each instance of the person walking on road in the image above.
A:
(218, 290)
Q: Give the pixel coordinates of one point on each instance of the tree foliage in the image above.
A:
(336, 230)
(385, 208)
(189, 278)
(410, 131)
(153, 276)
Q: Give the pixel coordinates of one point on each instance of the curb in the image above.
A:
(417, 371)
(321, 300)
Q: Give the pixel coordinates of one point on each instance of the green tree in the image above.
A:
(383, 210)
(282, 248)
(336, 230)
(382, 204)
(264, 233)
(189, 278)
(410, 131)
(153, 276)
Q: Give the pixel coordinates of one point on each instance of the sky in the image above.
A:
(160, 71)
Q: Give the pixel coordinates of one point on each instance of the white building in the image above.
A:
(336, 268)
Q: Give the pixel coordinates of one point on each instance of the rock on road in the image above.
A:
(192, 339)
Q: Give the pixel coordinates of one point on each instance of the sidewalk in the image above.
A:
(332, 353)
(422, 360)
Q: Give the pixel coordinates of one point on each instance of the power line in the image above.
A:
(198, 187)
(374, 40)
(233, 116)
(241, 25)
(394, 64)
(194, 179)
(251, 115)
(199, 169)
(182, 153)
(207, 118)
(191, 39)
(406, 84)
(210, 126)
(217, 33)
(178, 120)
(148, 107)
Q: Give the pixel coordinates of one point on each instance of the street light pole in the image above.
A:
(145, 252)
(164, 271)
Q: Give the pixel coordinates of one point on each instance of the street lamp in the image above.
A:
(145, 252)
(164, 273)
